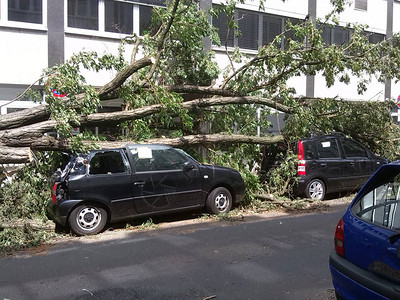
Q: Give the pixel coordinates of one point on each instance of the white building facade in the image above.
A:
(35, 34)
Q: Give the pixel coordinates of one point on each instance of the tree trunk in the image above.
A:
(14, 156)
(22, 155)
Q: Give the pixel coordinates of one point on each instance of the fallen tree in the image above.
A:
(176, 94)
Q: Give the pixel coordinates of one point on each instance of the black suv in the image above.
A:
(138, 180)
(328, 164)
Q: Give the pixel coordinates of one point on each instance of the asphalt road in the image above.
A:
(284, 257)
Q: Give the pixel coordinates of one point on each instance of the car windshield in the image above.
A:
(185, 154)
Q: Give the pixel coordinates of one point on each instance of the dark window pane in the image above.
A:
(353, 149)
(149, 2)
(340, 35)
(167, 159)
(289, 34)
(272, 26)
(119, 17)
(328, 149)
(225, 33)
(361, 4)
(14, 109)
(375, 38)
(29, 11)
(83, 14)
(248, 26)
(327, 35)
(145, 18)
(108, 162)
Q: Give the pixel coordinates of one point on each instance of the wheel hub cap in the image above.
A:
(88, 218)
(221, 202)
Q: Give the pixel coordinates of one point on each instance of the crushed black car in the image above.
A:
(113, 185)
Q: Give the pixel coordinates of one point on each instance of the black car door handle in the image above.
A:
(351, 164)
(139, 183)
(323, 165)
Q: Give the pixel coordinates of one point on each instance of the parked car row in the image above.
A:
(328, 164)
(112, 185)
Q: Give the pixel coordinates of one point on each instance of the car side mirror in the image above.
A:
(188, 166)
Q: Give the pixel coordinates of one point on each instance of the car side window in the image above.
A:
(328, 148)
(353, 149)
(146, 159)
(379, 206)
(107, 162)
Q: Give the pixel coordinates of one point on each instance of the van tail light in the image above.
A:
(339, 238)
(301, 164)
(54, 193)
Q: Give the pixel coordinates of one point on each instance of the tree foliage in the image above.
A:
(172, 87)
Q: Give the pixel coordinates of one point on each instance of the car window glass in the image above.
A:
(328, 148)
(353, 149)
(379, 206)
(107, 162)
(147, 159)
(309, 151)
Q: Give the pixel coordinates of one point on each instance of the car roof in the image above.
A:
(323, 136)
(151, 146)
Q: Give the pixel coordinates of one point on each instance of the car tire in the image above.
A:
(219, 201)
(315, 190)
(87, 219)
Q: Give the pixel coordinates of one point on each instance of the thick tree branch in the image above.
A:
(22, 155)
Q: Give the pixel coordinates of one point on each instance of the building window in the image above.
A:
(14, 109)
(224, 32)
(145, 18)
(340, 35)
(375, 38)
(119, 17)
(83, 14)
(272, 26)
(361, 4)
(29, 11)
(248, 27)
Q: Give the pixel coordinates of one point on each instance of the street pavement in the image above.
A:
(260, 257)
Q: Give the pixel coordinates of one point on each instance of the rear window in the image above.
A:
(379, 202)
(328, 148)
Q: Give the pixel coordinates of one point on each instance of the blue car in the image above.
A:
(366, 261)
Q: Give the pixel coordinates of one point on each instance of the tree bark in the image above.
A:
(23, 155)
(14, 156)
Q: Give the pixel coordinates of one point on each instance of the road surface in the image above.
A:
(280, 257)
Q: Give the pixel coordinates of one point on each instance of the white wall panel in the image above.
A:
(77, 43)
(23, 56)
(349, 92)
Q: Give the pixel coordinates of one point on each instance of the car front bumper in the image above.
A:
(354, 283)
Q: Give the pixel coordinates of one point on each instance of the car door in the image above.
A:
(372, 241)
(164, 179)
(330, 163)
(358, 166)
(108, 180)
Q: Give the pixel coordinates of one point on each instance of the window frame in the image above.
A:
(260, 34)
(361, 5)
(101, 32)
(332, 141)
(23, 25)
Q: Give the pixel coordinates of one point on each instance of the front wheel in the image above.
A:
(315, 190)
(87, 219)
(219, 201)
